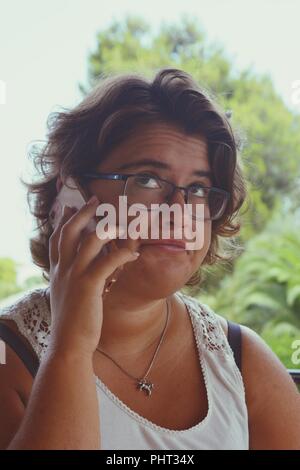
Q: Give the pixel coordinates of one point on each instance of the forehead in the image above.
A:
(163, 142)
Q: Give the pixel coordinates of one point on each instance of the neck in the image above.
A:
(131, 325)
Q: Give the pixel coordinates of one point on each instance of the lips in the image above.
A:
(180, 244)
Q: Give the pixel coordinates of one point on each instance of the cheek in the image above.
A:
(207, 234)
(199, 255)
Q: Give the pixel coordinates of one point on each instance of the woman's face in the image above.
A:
(176, 157)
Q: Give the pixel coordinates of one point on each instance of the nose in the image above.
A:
(177, 196)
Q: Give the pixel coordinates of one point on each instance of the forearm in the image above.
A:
(62, 412)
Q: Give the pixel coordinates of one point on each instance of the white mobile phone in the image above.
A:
(70, 195)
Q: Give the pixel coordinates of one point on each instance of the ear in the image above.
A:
(58, 184)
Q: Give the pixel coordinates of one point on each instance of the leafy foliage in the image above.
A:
(8, 277)
(264, 288)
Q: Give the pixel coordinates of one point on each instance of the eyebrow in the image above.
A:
(161, 165)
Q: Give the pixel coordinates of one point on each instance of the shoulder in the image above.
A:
(205, 312)
(23, 302)
(272, 398)
(29, 317)
(211, 328)
(257, 357)
(15, 379)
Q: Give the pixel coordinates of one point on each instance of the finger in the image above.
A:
(54, 238)
(101, 268)
(114, 276)
(92, 246)
(128, 242)
(115, 245)
(72, 231)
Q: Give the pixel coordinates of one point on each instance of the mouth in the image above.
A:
(167, 245)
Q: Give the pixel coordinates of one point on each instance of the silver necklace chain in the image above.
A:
(142, 383)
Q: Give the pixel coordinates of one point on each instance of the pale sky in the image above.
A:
(44, 47)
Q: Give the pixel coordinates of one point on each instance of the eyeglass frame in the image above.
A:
(124, 177)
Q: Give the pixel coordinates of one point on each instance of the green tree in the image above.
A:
(8, 277)
(280, 338)
(264, 288)
(263, 292)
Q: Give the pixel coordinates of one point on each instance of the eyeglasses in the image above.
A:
(147, 189)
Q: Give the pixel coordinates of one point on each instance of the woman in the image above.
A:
(135, 364)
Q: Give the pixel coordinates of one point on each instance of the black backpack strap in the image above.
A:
(235, 342)
(30, 359)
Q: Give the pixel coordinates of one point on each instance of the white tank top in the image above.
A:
(226, 423)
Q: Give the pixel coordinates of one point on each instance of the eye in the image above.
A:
(197, 189)
(147, 181)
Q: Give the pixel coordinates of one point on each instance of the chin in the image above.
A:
(155, 280)
(165, 265)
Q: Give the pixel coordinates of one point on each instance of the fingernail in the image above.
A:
(92, 200)
(136, 254)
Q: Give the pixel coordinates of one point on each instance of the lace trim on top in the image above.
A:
(214, 338)
(210, 330)
(33, 318)
(32, 315)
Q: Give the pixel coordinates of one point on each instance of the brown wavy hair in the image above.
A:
(79, 138)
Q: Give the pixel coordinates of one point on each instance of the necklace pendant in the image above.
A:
(146, 386)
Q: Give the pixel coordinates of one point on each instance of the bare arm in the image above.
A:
(62, 412)
(273, 400)
(58, 410)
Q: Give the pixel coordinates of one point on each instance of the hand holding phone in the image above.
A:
(78, 275)
(77, 281)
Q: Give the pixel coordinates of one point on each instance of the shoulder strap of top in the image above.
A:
(30, 359)
(235, 342)
(213, 335)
